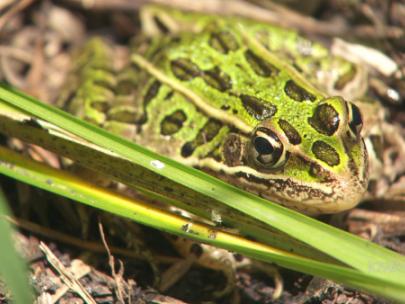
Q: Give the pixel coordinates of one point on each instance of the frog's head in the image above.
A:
(316, 162)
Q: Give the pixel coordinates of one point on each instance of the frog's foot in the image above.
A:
(220, 260)
(271, 271)
(204, 255)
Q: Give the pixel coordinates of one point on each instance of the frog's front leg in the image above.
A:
(219, 260)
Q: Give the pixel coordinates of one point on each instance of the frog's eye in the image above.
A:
(355, 121)
(266, 149)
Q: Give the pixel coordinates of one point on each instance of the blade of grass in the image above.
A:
(358, 253)
(62, 183)
(12, 267)
(17, 124)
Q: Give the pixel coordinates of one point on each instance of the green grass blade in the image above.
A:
(370, 258)
(20, 125)
(13, 269)
(62, 183)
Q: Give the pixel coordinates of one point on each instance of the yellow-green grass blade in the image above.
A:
(13, 270)
(371, 259)
(65, 184)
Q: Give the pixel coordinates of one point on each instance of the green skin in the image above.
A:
(239, 99)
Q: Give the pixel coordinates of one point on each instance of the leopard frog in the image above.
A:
(256, 105)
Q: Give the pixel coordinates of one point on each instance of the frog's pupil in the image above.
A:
(263, 146)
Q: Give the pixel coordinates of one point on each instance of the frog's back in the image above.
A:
(222, 100)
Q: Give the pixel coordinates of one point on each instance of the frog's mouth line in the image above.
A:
(312, 198)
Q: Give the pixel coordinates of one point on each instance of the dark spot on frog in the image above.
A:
(325, 153)
(125, 87)
(260, 66)
(187, 149)
(296, 92)
(241, 67)
(292, 134)
(184, 69)
(217, 79)
(172, 123)
(223, 42)
(205, 135)
(225, 107)
(151, 93)
(125, 116)
(103, 82)
(160, 25)
(169, 95)
(297, 67)
(259, 108)
(325, 119)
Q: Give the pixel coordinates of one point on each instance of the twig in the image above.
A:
(80, 270)
(87, 245)
(66, 275)
(13, 11)
(120, 283)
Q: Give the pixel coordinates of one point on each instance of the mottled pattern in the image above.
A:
(296, 92)
(292, 134)
(252, 118)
